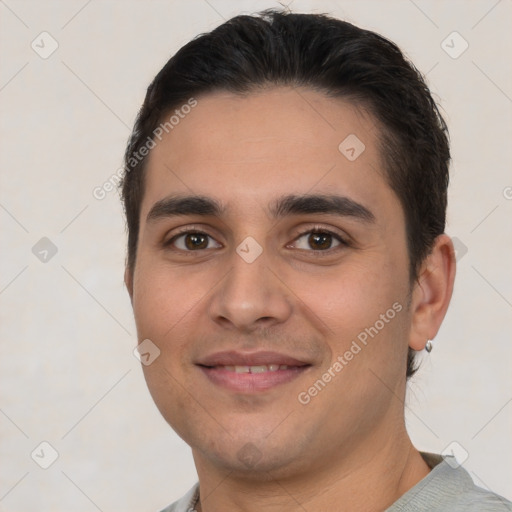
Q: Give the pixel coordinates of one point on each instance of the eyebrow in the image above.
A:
(184, 205)
(172, 206)
(326, 204)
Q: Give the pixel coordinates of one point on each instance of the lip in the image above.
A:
(213, 367)
(234, 358)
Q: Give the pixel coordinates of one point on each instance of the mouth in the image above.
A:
(251, 372)
(262, 368)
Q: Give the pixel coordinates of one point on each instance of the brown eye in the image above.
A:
(193, 241)
(320, 241)
(196, 241)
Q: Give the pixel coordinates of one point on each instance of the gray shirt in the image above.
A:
(447, 488)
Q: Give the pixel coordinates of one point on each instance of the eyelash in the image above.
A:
(323, 231)
(169, 243)
(315, 230)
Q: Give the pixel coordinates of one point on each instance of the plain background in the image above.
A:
(67, 334)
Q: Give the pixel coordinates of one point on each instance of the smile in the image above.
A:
(251, 372)
(254, 369)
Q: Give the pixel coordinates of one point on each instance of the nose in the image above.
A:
(251, 296)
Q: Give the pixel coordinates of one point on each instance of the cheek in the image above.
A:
(350, 297)
(165, 301)
(154, 308)
(162, 297)
(366, 305)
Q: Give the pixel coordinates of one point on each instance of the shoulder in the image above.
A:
(448, 487)
(478, 499)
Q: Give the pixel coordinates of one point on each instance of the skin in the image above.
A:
(349, 444)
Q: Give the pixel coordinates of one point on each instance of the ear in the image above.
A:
(128, 281)
(432, 292)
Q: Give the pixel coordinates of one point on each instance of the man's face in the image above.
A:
(304, 266)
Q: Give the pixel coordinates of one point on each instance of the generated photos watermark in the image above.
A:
(100, 192)
(357, 345)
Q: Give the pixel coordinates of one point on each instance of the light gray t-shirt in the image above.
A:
(447, 488)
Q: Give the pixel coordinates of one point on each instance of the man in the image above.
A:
(285, 193)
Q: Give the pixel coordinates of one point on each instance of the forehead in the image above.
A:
(249, 149)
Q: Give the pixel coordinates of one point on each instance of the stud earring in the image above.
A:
(428, 346)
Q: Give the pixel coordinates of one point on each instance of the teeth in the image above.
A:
(259, 369)
(255, 369)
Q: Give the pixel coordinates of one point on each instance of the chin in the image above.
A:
(251, 457)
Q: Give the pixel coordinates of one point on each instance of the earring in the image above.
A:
(428, 346)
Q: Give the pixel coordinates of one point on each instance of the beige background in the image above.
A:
(67, 370)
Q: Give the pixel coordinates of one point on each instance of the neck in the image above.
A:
(368, 479)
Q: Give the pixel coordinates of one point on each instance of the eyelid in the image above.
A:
(343, 239)
(185, 230)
